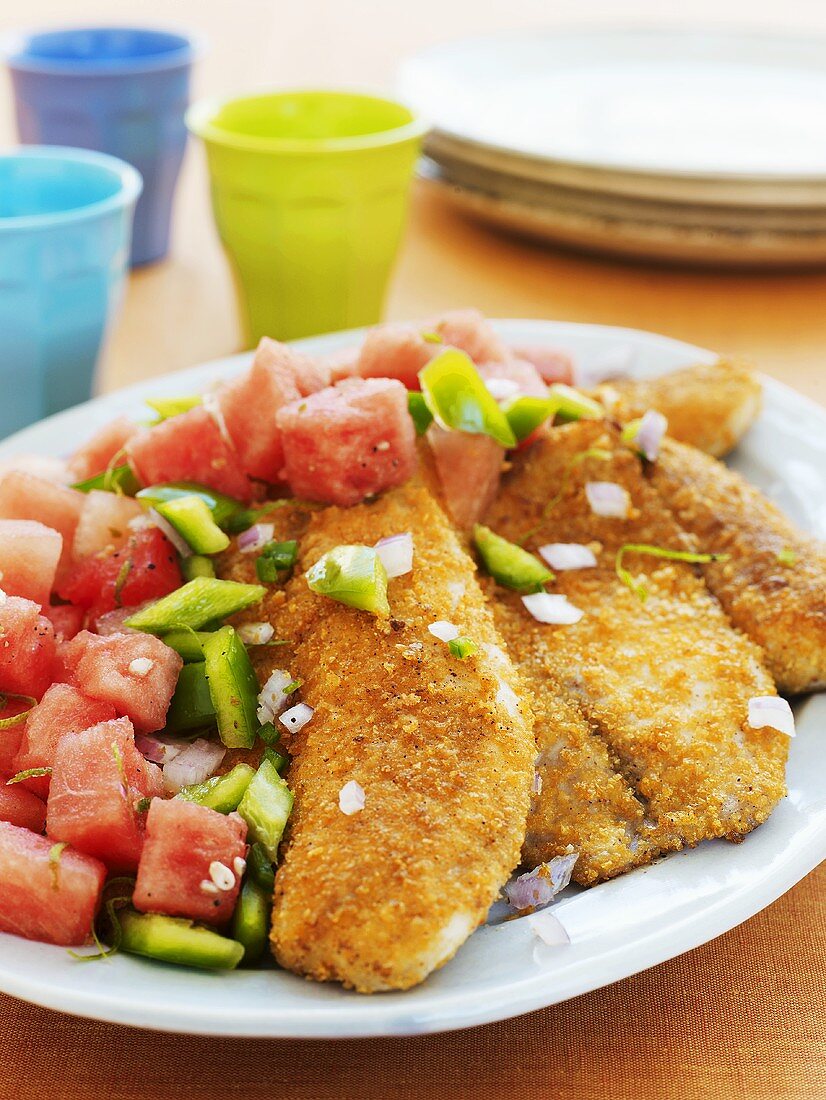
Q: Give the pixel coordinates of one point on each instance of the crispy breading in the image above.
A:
(443, 749)
(708, 406)
(780, 606)
(664, 684)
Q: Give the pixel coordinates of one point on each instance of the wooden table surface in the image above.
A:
(742, 1017)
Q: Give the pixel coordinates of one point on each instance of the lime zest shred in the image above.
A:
(55, 852)
(573, 462)
(120, 581)
(118, 755)
(292, 686)
(638, 587)
(29, 773)
(16, 719)
(786, 557)
(432, 338)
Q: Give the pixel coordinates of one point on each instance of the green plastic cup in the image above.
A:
(309, 192)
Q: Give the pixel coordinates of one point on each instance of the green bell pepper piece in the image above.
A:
(278, 759)
(191, 707)
(197, 566)
(220, 792)
(526, 414)
(265, 807)
(573, 405)
(457, 396)
(175, 940)
(353, 575)
(192, 519)
(251, 921)
(274, 558)
(187, 642)
(120, 479)
(233, 687)
(167, 407)
(195, 604)
(260, 868)
(421, 414)
(508, 563)
(223, 508)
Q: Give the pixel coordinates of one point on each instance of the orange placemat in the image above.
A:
(742, 1017)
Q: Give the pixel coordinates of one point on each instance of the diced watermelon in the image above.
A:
(471, 332)
(182, 840)
(99, 780)
(348, 441)
(61, 711)
(469, 468)
(396, 351)
(54, 900)
(95, 456)
(342, 364)
(24, 496)
(65, 618)
(104, 522)
(189, 447)
(248, 404)
(102, 669)
(45, 466)
(21, 807)
(552, 365)
(146, 568)
(520, 371)
(27, 648)
(29, 554)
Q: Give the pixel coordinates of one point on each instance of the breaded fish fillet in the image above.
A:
(663, 684)
(709, 406)
(774, 585)
(443, 749)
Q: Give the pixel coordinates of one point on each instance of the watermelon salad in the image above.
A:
(142, 777)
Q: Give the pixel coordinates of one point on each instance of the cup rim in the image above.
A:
(200, 115)
(14, 46)
(131, 185)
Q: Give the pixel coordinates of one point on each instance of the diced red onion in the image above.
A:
(271, 698)
(539, 887)
(443, 630)
(255, 537)
(554, 609)
(180, 543)
(396, 553)
(297, 717)
(771, 710)
(194, 764)
(159, 750)
(255, 633)
(649, 435)
(548, 928)
(537, 783)
(351, 798)
(568, 555)
(113, 622)
(612, 363)
(502, 388)
(606, 498)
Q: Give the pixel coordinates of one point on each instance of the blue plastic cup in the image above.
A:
(119, 90)
(65, 233)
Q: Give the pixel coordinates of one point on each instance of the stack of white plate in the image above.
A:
(702, 147)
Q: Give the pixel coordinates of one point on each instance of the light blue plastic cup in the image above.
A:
(65, 233)
(120, 90)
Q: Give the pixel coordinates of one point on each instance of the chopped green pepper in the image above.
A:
(455, 393)
(197, 566)
(572, 405)
(220, 792)
(269, 734)
(508, 563)
(119, 479)
(260, 868)
(353, 575)
(175, 940)
(251, 921)
(275, 557)
(223, 508)
(192, 519)
(191, 707)
(278, 759)
(265, 807)
(233, 687)
(167, 407)
(462, 647)
(526, 414)
(197, 603)
(420, 413)
(187, 642)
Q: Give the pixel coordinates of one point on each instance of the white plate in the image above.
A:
(696, 115)
(617, 929)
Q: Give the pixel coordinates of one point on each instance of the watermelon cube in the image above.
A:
(29, 555)
(99, 781)
(469, 331)
(65, 618)
(342, 364)
(135, 673)
(552, 365)
(25, 496)
(189, 447)
(62, 710)
(396, 351)
(144, 568)
(27, 648)
(104, 523)
(249, 403)
(518, 371)
(468, 469)
(43, 898)
(177, 874)
(348, 441)
(102, 449)
(21, 807)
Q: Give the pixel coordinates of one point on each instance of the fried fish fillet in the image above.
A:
(641, 705)
(773, 587)
(442, 748)
(709, 406)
